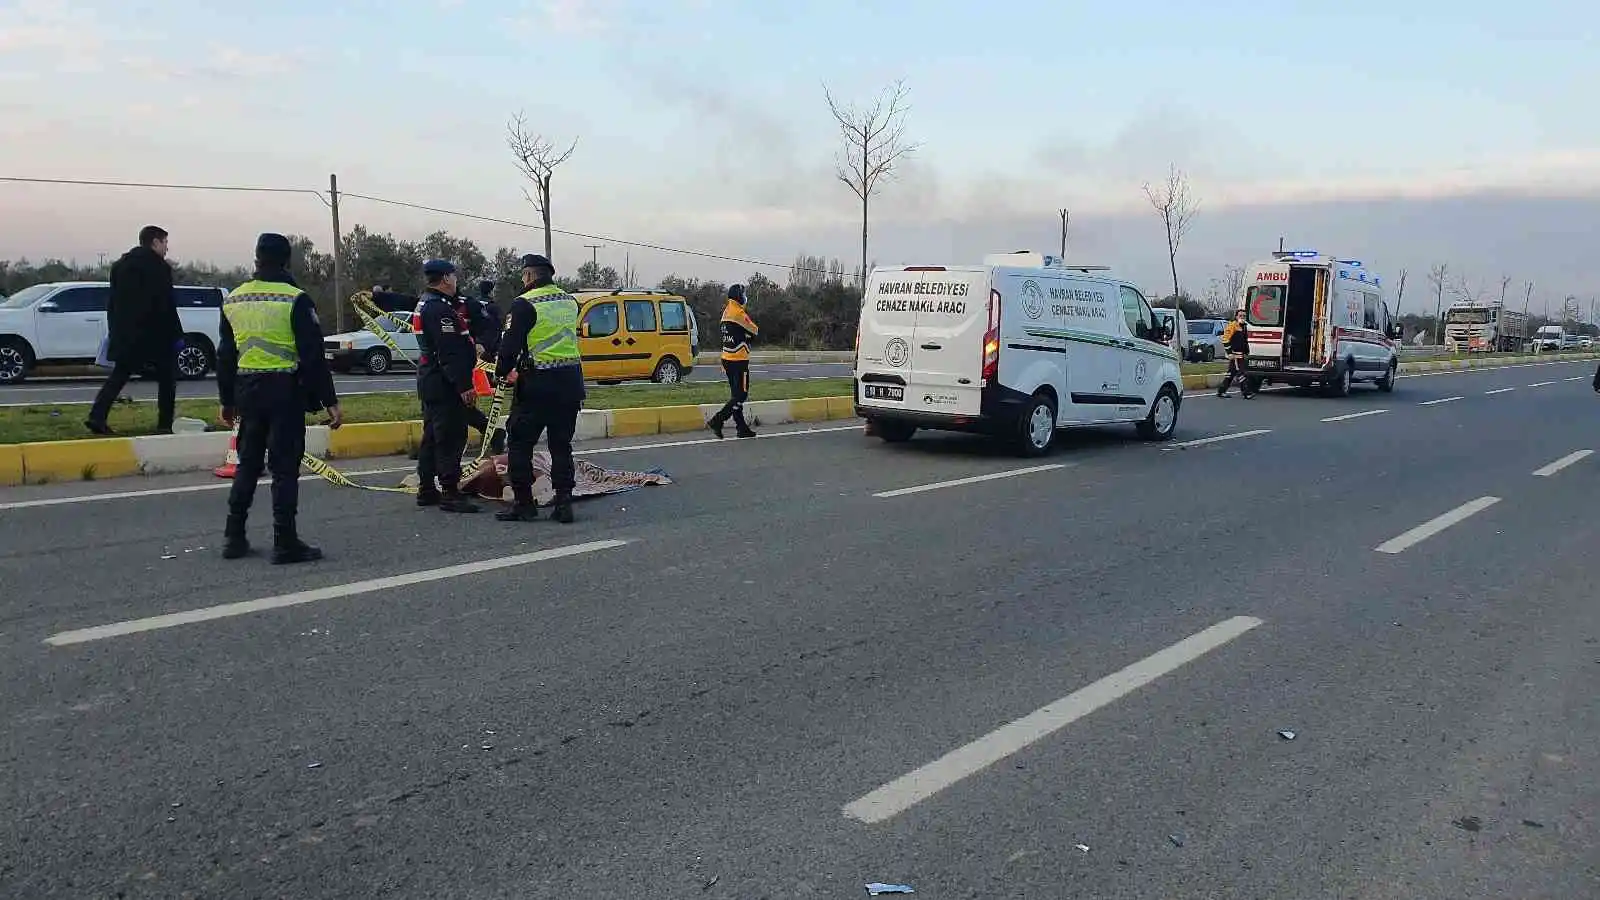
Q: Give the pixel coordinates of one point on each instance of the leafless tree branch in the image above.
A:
(537, 159)
(874, 143)
(1175, 203)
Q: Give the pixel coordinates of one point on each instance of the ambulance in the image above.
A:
(1318, 320)
(1017, 347)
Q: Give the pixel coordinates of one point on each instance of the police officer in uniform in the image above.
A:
(270, 373)
(539, 351)
(444, 385)
(738, 330)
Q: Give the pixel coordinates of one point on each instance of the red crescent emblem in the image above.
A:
(1258, 295)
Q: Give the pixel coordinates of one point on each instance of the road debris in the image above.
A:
(878, 887)
(1176, 839)
(315, 765)
(1083, 847)
(708, 885)
(1532, 824)
(1286, 735)
(1468, 823)
(168, 556)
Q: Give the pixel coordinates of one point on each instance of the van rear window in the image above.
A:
(1264, 304)
(1201, 328)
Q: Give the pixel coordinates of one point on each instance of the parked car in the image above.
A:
(1205, 339)
(63, 323)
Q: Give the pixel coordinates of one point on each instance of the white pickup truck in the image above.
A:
(63, 323)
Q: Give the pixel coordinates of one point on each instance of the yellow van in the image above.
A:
(629, 334)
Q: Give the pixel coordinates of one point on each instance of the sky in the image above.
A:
(1454, 132)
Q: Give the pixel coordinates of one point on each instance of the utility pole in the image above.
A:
(338, 254)
(594, 253)
(1063, 235)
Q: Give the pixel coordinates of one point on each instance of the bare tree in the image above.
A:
(630, 275)
(537, 159)
(1233, 284)
(1467, 293)
(1505, 285)
(1066, 215)
(875, 142)
(1400, 295)
(1176, 205)
(1438, 276)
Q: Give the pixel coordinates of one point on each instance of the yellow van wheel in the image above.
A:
(668, 371)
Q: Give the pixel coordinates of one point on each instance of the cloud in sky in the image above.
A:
(702, 124)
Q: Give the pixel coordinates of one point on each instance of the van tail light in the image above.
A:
(991, 339)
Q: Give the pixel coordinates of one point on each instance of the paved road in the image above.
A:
(728, 703)
(44, 391)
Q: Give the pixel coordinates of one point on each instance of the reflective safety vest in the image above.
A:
(553, 339)
(261, 316)
(736, 348)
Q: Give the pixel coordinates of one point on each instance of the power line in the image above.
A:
(703, 254)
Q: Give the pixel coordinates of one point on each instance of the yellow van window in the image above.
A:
(641, 315)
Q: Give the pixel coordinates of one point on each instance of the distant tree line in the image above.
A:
(815, 309)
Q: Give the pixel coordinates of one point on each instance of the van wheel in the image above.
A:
(1339, 386)
(377, 361)
(194, 359)
(1386, 383)
(893, 432)
(1163, 418)
(667, 372)
(1036, 428)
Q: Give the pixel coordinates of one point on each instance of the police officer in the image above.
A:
(738, 330)
(270, 373)
(539, 351)
(486, 326)
(444, 385)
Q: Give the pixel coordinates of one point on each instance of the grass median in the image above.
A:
(64, 422)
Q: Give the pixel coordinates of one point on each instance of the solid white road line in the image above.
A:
(1500, 391)
(206, 614)
(901, 794)
(1348, 416)
(1562, 463)
(694, 442)
(1201, 442)
(1009, 473)
(1435, 525)
(1437, 402)
(1575, 378)
(1540, 383)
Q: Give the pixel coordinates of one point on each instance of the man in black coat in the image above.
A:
(143, 329)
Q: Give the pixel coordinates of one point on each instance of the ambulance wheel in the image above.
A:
(892, 432)
(1036, 427)
(1163, 418)
(377, 361)
(1386, 383)
(1339, 386)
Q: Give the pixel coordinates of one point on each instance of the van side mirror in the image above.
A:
(1166, 333)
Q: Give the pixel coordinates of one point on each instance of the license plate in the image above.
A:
(327, 356)
(1263, 362)
(883, 392)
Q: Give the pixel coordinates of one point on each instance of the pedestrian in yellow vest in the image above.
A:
(270, 373)
(738, 330)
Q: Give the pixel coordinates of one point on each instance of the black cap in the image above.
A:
(438, 268)
(736, 292)
(535, 261)
(273, 248)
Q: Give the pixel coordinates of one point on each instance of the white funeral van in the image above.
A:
(1318, 320)
(1016, 347)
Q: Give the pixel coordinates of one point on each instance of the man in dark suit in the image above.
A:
(143, 329)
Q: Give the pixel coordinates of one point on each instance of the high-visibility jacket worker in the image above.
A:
(738, 330)
(539, 351)
(1236, 343)
(270, 373)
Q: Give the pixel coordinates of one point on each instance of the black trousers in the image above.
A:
(738, 372)
(444, 439)
(533, 416)
(271, 438)
(1235, 372)
(166, 374)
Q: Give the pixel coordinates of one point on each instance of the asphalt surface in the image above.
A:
(80, 389)
(693, 712)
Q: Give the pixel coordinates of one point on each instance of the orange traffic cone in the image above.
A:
(230, 463)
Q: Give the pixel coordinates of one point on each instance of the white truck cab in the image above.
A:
(1018, 347)
(1316, 319)
(64, 322)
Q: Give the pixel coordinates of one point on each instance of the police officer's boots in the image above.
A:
(287, 548)
(451, 500)
(428, 494)
(522, 508)
(562, 511)
(234, 543)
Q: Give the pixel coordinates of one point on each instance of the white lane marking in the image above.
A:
(1437, 402)
(1348, 416)
(1435, 525)
(1009, 473)
(1540, 383)
(1500, 391)
(224, 485)
(1200, 442)
(1562, 463)
(1575, 378)
(901, 794)
(226, 610)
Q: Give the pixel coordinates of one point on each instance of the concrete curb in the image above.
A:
(89, 460)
